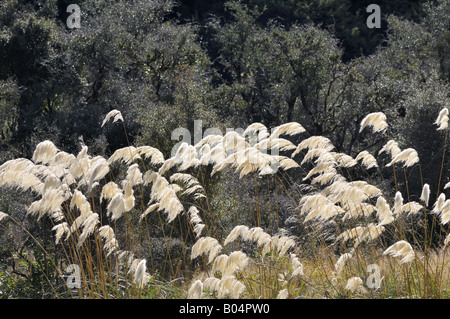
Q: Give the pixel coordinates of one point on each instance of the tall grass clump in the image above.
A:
(139, 225)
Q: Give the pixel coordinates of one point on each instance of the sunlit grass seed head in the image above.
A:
(44, 152)
(141, 277)
(392, 148)
(384, 212)
(368, 160)
(401, 249)
(341, 262)
(206, 245)
(442, 119)
(355, 284)
(409, 157)
(425, 195)
(196, 290)
(375, 120)
(115, 114)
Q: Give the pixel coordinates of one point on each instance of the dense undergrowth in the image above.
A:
(137, 225)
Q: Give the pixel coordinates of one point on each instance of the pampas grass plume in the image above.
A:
(115, 114)
(196, 289)
(140, 275)
(401, 249)
(425, 196)
(442, 119)
(376, 120)
(3, 215)
(355, 284)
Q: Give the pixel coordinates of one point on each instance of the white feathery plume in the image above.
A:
(360, 233)
(283, 294)
(134, 175)
(442, 119)
(401, 249)
(292, 128)
(344, 160)
(116, 116)
(150, 209)
(220, 263)
(447, 240)
(355, 232)
(194, 217)
(234, 141)
(192, 190)
(51, 182)
(368, 189)
(205, 153)
(319, 207)
(187, 157)
(237, 289)
(392, 148)
(126, 154)
(313, 142)
(89, 225)
(398, 203)
(384, 212)
(345, 193)
(164, 195)
(141, 277)
(97, 172)
(60, 229)
(445, 212)
(116, 206)
(155, 155)
(195, 291)
(287, 163)
(109, 190)
(411, 207)
(437, 207)
(187, 179)
(257, 127)
(128, 195)
(237, 260)
(355, 284)
(3, 215)
(327, 178)
(297, 267)
(175, 187)
(206, 245)
(362, 209)
(168, 164)
(240, 230)
(211, 139)
(376, 120)
(425, 196)
(372, 231)
(107, 233)
(229, 286)
(278, 144)
(340, 263)
(368, 160)
(211, 283)
(322, 168)
(44, 152)
(50, 202)
(313, 153)
(409, 156)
